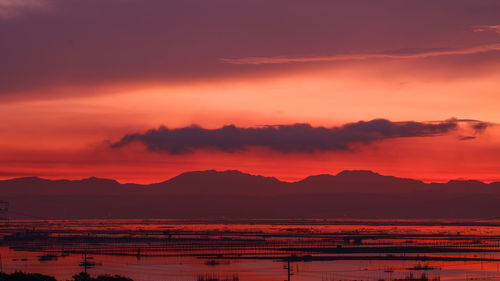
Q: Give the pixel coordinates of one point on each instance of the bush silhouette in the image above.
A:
(83, 276)
(21, 276)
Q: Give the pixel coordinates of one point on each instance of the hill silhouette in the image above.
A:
(234, 194)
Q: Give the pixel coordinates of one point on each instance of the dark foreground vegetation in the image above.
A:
(21, 276)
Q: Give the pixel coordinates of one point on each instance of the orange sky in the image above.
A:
(58, 117)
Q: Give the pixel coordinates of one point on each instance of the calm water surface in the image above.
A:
(155, 250)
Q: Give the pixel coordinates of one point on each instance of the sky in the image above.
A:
(140, 91)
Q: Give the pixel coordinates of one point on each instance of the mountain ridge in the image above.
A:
(341, 173)
(234, 194)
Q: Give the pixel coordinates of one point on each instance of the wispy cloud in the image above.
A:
(483, 28)
(462, 138)
(399, 54)
(70, 55)
(476, 126)
(14, 8)
(288, 138)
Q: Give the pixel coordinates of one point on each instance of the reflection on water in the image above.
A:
(324, 250)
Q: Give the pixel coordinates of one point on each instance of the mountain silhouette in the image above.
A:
(234, 194)
(224, 182)
(360, 181)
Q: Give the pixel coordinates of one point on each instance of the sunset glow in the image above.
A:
(59, 118)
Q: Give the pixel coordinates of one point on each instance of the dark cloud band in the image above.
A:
(93, 42)
(286, 138)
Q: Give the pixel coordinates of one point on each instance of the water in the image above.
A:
(152, 250)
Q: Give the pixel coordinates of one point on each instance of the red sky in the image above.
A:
(78, 76)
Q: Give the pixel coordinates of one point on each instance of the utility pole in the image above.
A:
(288, 268)
(85, 263)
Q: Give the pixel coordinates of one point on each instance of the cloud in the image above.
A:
(480, 126)
(483, 28)
(477, 126)
(10, 9)
(79, 46)
(284, 138)
(401, 54)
